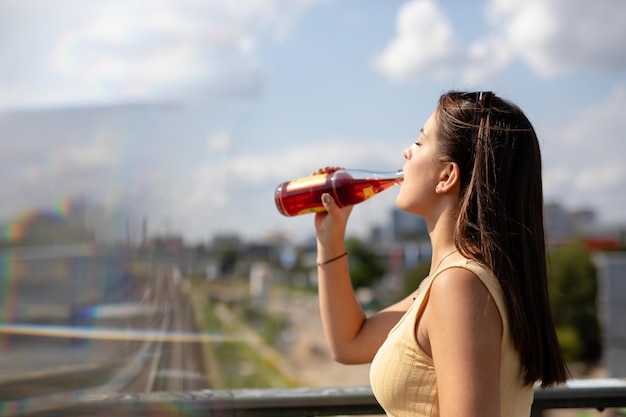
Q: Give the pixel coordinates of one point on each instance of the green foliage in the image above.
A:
(365, 265)
(570, 342)
(227, 258)
(573, 292)
(269, 326)
(238, 363)
(414, 276)
(242, 366)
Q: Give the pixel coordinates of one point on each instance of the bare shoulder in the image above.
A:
(463, 336)
(459, 293)
(457, 282)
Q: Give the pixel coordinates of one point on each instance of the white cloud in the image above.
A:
(551, 37)
(239, 190)
(424, 44)
(583, 156)
(103, 152)
(486, 57)
(71, 52)
(220, 141)
(198, 188)
(37, 173)
(599, 177)
(555, 177)
(559, 36)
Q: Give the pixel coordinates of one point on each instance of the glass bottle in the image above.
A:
(346, 186)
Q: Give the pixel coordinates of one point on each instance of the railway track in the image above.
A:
(179, 365)
(158, 352)
(173, 361)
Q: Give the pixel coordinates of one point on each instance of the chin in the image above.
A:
(409, 208)
(401, 205)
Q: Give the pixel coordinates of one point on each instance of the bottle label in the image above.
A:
(311, 210)
(307, 182)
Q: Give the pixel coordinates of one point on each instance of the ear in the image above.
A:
(449, 178)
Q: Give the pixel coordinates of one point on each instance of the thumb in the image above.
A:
(327, 201)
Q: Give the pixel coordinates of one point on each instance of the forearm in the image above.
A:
(352, 337)
(341, 313)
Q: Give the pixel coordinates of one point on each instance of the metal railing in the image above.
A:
(296, 402)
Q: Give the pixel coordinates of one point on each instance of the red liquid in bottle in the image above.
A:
(305, 195)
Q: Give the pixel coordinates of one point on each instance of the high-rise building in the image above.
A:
(408, 227)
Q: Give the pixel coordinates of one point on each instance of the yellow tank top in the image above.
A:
(402, 375)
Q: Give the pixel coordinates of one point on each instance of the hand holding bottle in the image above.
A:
(340, 189)
(330, 224)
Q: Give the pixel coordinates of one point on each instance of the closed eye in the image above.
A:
(417, 142)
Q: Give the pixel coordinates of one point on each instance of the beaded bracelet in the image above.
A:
(332, 259)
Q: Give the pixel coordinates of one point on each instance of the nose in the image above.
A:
(407, 153)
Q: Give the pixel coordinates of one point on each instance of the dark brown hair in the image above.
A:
(500, 222)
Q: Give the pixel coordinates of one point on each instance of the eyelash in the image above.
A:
(417, 143)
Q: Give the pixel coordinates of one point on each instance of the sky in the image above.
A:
(188, 113)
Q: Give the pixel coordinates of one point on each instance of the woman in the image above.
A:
(478, 333)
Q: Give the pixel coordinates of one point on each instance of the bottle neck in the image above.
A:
(397, 176)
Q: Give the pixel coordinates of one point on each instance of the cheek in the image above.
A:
(418, 187)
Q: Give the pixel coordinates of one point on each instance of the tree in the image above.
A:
(365, 265)
(227, 258)
(573, 292)
(414, 276)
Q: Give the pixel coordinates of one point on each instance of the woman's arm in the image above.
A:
(352, 337)
(462, 330)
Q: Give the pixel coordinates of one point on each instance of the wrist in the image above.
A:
(333, 259)
(330, 250)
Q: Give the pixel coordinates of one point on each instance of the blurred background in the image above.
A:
(141, 143)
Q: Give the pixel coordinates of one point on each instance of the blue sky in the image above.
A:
(191, 112)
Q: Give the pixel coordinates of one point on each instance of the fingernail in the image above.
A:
(326, 199)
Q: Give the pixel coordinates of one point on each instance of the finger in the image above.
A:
(327, 201)
(326, 170)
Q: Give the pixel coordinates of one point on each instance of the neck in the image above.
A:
(441, 232)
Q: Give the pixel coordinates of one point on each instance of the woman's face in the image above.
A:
(421, 171)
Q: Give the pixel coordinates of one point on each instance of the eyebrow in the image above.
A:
(422, 132)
